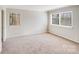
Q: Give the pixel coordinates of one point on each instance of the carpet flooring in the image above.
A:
(44, 43)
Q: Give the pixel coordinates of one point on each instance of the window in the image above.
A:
(63, 18)
(55, 19)
(14, 19)
(66, 18)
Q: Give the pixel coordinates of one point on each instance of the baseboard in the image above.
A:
(0, 47)
(65, 38)
(24, 35)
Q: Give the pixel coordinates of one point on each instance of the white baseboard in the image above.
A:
(25, 34)
(0, 47)
(75, 41)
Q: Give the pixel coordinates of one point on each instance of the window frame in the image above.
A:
(52, 18)
(60, 19)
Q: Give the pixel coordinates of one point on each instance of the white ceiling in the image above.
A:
(35, 7)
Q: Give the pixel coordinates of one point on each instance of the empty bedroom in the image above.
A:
(39, 29)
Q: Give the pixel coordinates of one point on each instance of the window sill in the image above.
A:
(61, 26)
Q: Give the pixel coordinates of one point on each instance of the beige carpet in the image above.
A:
(39, 44)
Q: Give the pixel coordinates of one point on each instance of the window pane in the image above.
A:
(66, 19)
(55, 19)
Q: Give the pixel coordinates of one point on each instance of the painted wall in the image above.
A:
(32, 22)
(0, 31)
(71, 33)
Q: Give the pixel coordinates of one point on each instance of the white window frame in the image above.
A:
(60, 19)
(51, 18)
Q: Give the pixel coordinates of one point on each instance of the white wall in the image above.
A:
(69, 33)
(0, 31)
(32, 22)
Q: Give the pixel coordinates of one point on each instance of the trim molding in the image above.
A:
(65, 38)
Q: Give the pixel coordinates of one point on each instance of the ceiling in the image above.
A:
(35, 7)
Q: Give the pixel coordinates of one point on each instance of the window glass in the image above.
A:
(55, 19)
(66, 19)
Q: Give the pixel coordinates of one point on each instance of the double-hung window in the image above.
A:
(63, 18)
